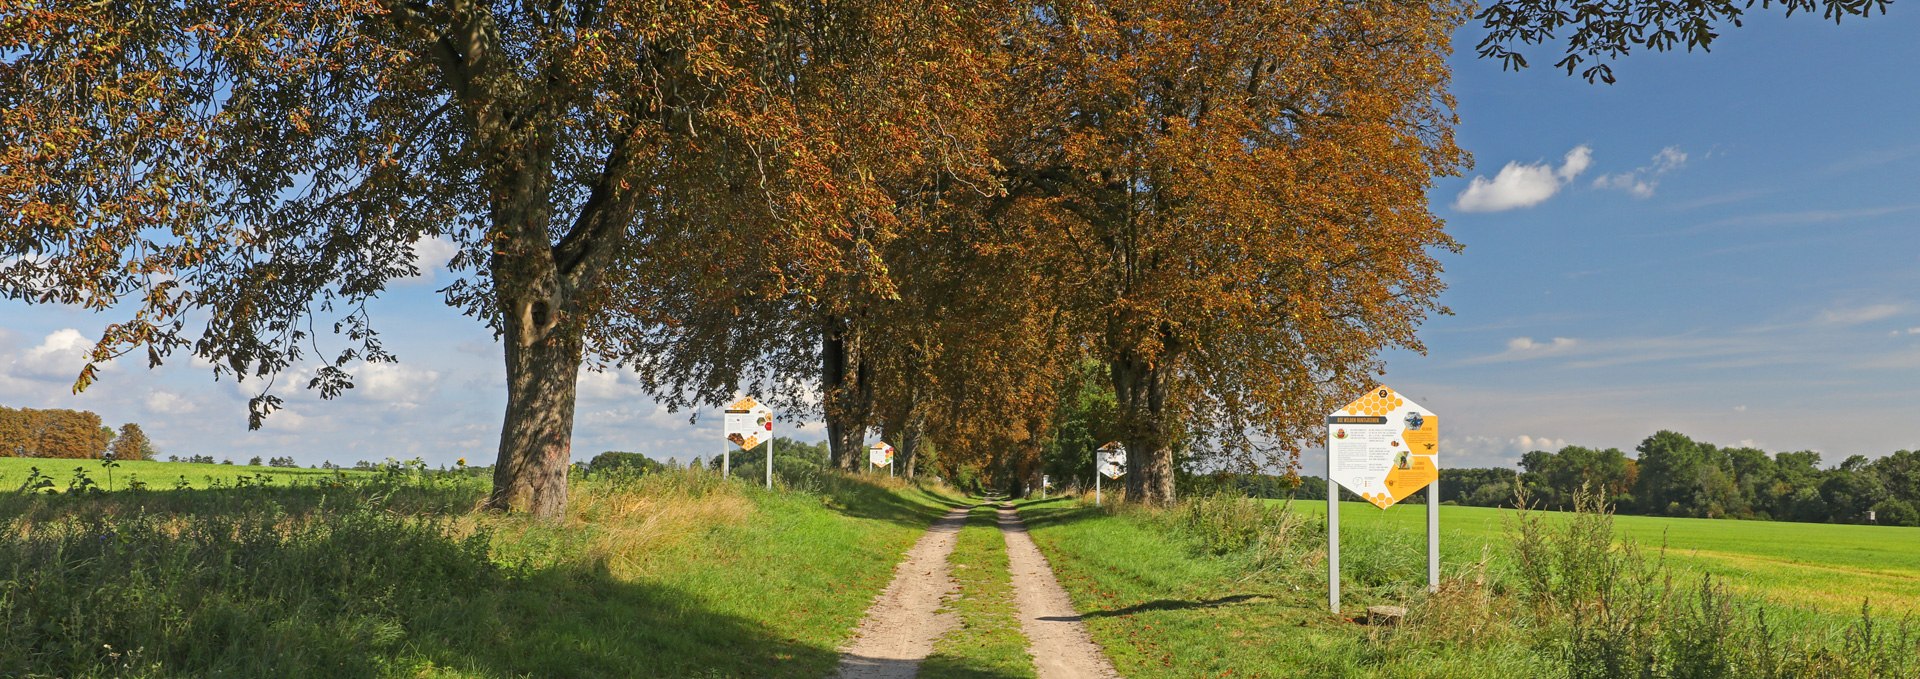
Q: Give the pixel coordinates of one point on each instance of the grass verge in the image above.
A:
(1232, 587)
(676, 574)
(989, 643)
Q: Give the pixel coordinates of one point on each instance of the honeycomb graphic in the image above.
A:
(1377, 403)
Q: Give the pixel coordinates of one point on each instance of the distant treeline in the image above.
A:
(1669, 475)
(1673, 475)
(61, 433)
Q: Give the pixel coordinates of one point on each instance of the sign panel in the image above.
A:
(748, 423)
(1111, 460)
(1383, 447)
(880, 454)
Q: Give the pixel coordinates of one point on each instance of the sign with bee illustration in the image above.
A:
(1383, 447)
(748, 423)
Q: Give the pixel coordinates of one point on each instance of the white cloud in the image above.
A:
(58, 357)
(162, 402)
(1641, 181)
(394, 383)
(1740, 408)
(430, 255)
(1523, 185)
(1526, 348)
(1527, 443)
(1858, 315)
(286, 420)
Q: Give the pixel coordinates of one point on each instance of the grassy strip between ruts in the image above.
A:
(989, 643)
(673, 574)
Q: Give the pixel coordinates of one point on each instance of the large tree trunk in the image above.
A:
(848, 395)
(911, 440)
(536, 440)
(903, 426)
(1141, 389)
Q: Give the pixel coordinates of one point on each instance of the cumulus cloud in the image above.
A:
(162, 402)
(1527, 443)
(58, 357)
(1521, 185)
(395, 384)
(1641, 181)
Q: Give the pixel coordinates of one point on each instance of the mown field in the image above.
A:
(392, 574)
(156, 475)
(1828, 568)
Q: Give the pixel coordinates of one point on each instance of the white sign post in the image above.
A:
(1109, 461)
(1382, 447)
(747, 424)
(881, 454)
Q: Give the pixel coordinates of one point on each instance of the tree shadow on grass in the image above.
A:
(862, 500)
(949, 667)
(1167, 605)
(1057, 515)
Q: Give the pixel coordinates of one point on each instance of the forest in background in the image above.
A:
(63, 433)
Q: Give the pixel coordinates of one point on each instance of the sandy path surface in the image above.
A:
(1059, 642)
(905, 620)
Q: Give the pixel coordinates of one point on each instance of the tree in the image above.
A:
(270, 167)
(1609, 30)
(132, 444)
(1242, 189)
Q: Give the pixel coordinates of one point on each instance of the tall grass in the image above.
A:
(1606, 609)
(394, 573)
(1565, 593)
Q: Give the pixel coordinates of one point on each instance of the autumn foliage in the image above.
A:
(916, 218)
(59, 433)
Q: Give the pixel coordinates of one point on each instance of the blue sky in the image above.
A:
(1726, 244)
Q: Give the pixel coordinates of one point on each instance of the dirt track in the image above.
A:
(905, 620)
(1059, 643)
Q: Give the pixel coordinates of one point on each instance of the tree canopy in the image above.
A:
(925, 219)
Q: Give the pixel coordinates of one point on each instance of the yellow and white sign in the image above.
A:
(880, 454)
(1383, 447)
(748, 423)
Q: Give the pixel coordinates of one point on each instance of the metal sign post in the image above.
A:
(1384, 448)
(1333, 537)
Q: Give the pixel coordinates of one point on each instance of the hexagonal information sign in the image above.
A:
(1111, 460)
(747, 423)
(1383, 447)
(880, 454)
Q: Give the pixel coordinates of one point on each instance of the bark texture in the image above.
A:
(849, 397)
(1141, 389)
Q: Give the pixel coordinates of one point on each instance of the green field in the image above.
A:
(1830, 568)
(156, 475)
